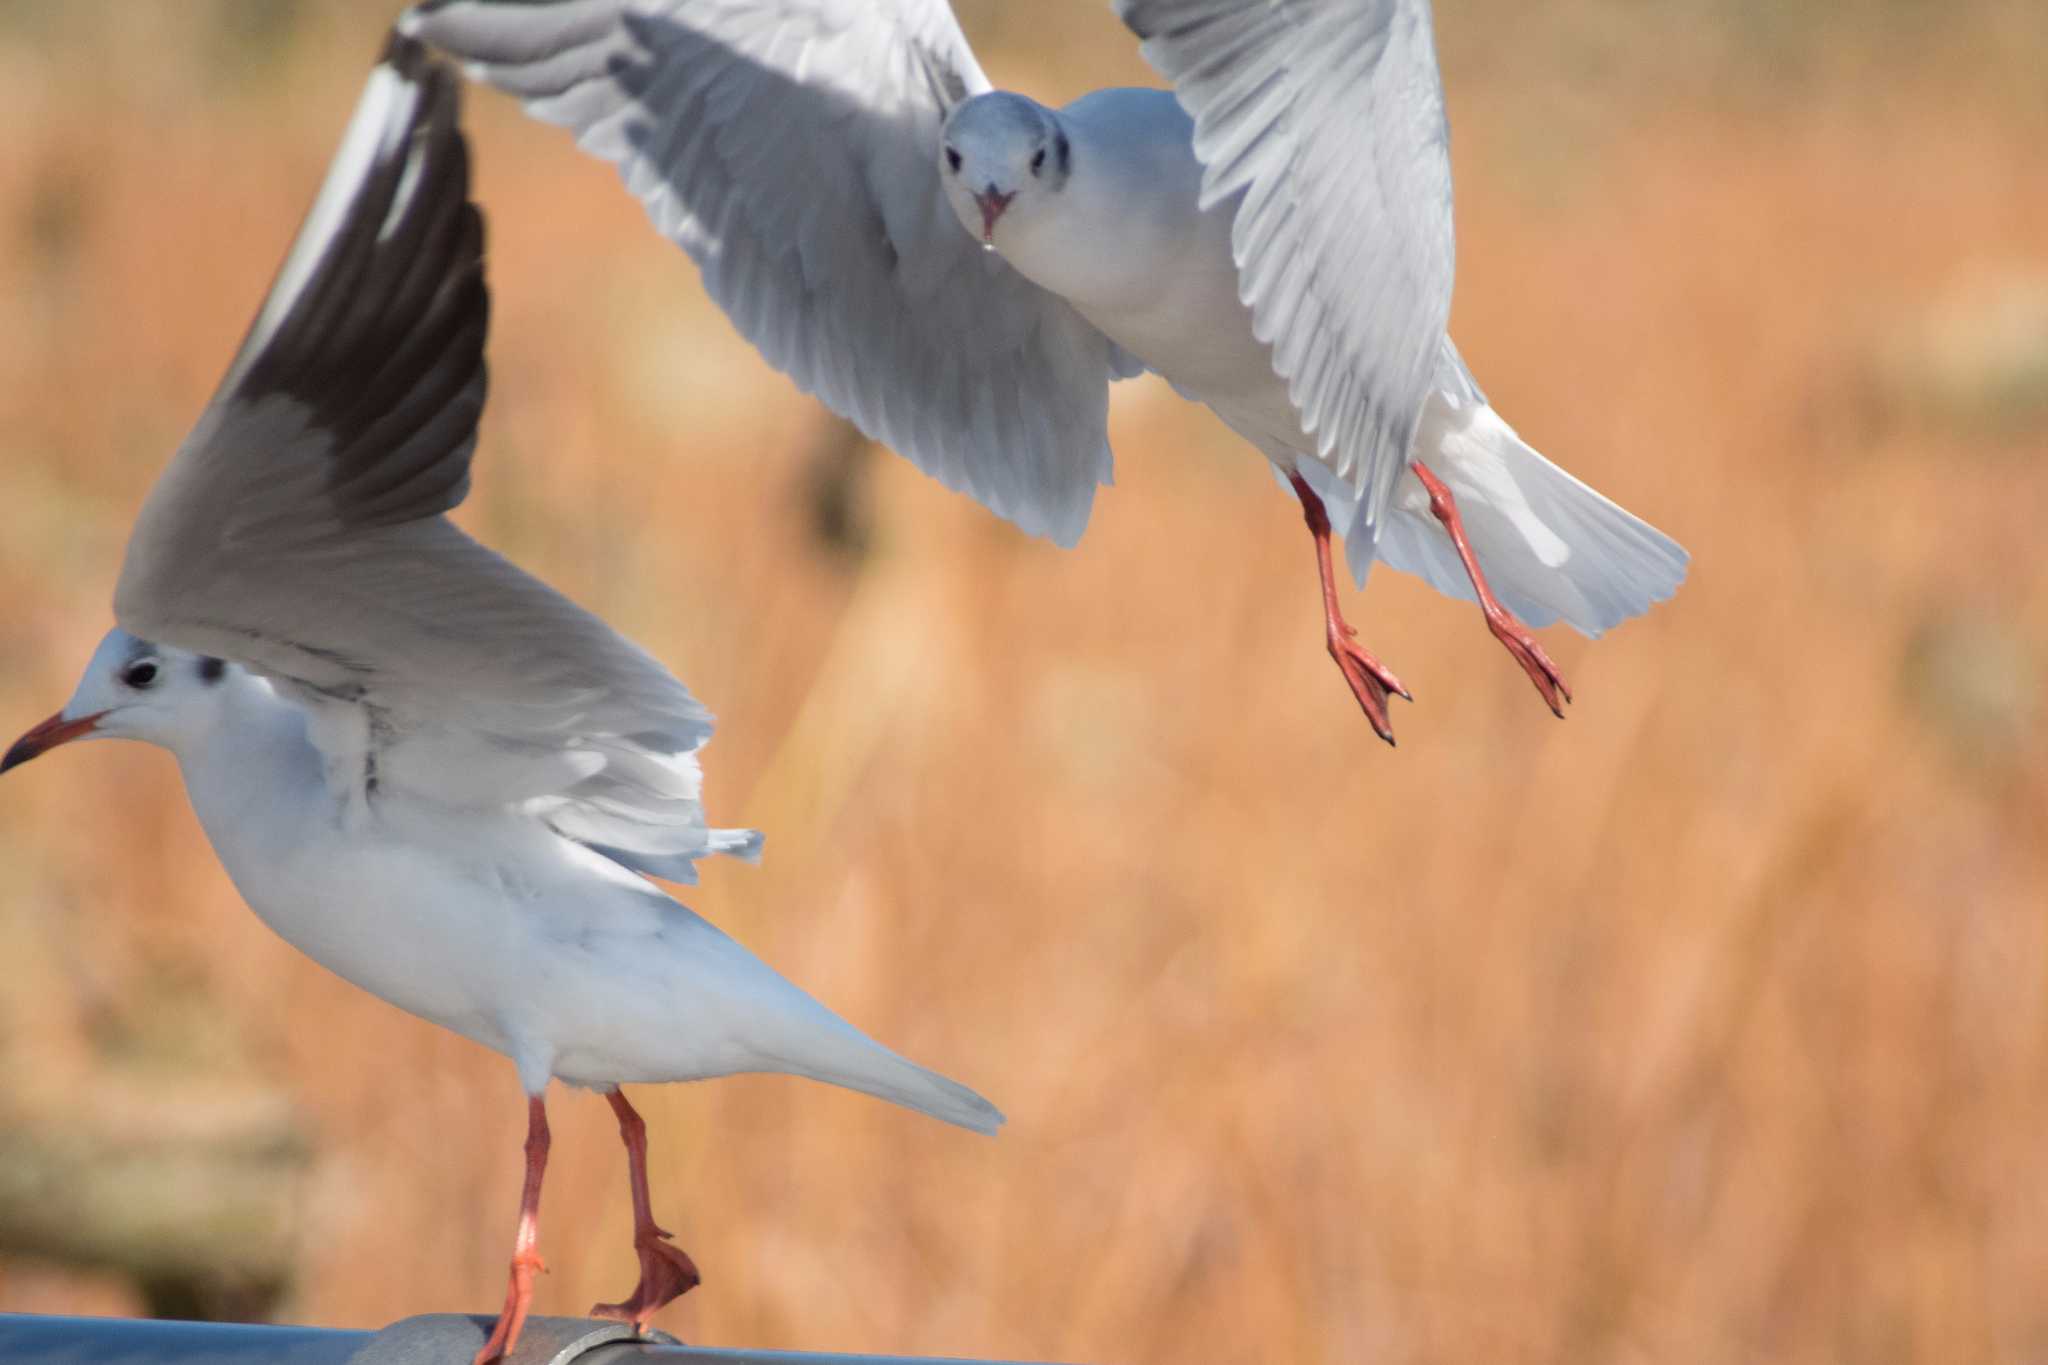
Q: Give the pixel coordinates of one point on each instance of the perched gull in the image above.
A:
(426, 770)
(1273, 237)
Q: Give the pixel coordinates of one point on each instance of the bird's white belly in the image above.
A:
(368, 912)
(1139, 261)
(1205, 348)
(530, 946)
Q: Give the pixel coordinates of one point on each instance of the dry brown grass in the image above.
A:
(1711, 1024)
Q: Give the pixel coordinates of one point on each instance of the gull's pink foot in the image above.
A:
(1502, 622)
(666, 1274)
(1522, 645)
(1371, 681)
(512, 1317)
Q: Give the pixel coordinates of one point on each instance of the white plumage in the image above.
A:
(425, 769)
(1274, 237)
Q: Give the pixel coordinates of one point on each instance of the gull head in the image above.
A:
(132, 689)
(1002, 158)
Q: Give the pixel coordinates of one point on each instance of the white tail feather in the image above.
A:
(846, 1057)
(928, 1092)
(1552, 549)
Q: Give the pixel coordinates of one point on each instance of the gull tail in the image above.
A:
(901, 1081)
(778, 1027)
(1552, 548)
(848, 1058)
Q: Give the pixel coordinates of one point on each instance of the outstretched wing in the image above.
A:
(299, 529)
(791, 148)
(1328, 117)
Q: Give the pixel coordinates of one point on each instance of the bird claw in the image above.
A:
(1535, 662)
(504, 1337)
(1371, 681)
(666, 1274)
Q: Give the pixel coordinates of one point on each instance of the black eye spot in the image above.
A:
(1038, 161)
(140, 674)
(953, 159)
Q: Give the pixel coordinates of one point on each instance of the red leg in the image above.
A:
(525, 1259)
(1499, 619)
(1370, 680)
(666, 1272)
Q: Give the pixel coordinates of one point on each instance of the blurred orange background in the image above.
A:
(1709, 1024)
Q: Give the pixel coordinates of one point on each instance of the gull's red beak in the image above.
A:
(52, 732)
(991, 202)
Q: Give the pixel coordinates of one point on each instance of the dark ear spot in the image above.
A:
(212, 670)
(1064, 152)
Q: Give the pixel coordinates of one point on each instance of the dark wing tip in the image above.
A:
(375, 326)
(403, 54)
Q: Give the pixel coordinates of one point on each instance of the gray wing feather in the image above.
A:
(1328, 117)
(299, 531)
(790, 147)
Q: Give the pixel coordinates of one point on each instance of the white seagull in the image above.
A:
(1273, 236)
(426, 770)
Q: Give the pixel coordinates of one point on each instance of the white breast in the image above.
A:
(1127, 243)
(484, 921)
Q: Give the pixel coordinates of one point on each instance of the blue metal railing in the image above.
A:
(435, 1339)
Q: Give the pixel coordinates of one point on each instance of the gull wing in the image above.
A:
(1328, 117)
(791, 148)
(300, 531)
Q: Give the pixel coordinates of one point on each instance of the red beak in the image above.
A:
(991, 202)
(52, 732)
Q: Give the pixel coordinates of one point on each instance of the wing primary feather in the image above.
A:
(375, 333)
(298, 529)
(790, 147)
(426, 293)
(1328, 120)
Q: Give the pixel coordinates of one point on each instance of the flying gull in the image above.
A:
(962, 270)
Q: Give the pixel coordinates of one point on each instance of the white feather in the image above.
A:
(790, 147)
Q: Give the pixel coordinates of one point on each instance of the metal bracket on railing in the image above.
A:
(438, 1338)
